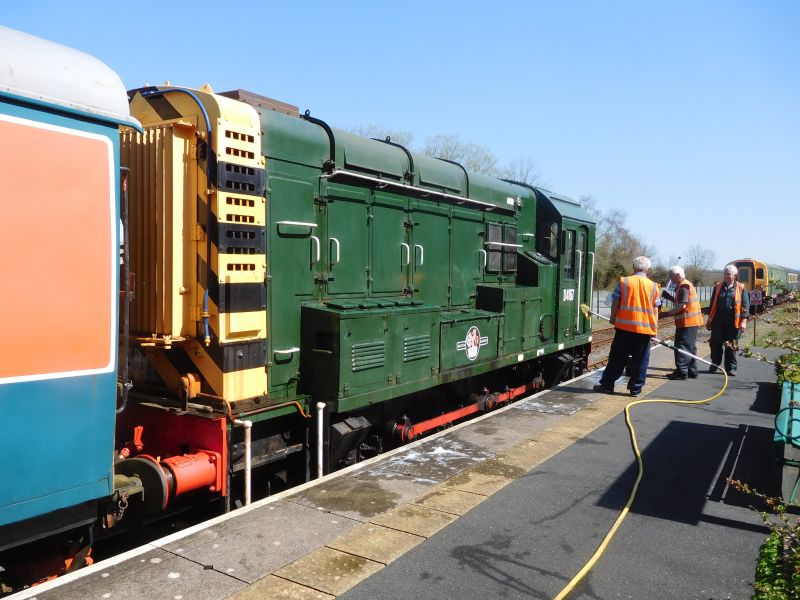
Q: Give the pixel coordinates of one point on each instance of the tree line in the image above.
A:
(473, 157)
(615, 246)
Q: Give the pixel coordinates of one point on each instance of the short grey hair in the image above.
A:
(677, 270)
(730, 269)
(641, 264)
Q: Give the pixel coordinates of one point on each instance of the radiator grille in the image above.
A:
(416, 347)
(368, 355)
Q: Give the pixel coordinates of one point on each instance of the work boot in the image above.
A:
(603, 389)
(712, 369)
(692, 374)
(677, 376)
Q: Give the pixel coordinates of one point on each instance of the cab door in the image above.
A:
(430, 251)
(346, 248)
(391, 253)
(583, 279)
(568, 299)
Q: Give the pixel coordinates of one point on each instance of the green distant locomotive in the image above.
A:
(280, 264)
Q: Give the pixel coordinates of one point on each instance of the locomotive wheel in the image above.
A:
(154, 482)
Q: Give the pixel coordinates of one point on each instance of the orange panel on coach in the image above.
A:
(57, 251)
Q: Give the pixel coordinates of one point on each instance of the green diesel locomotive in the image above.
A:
(336, 293)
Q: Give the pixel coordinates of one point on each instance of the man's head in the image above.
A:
(676, 274)
(641, 264)
(729, 273)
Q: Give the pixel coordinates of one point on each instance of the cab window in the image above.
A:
(760, 273)
(547, 240)
(569, 254)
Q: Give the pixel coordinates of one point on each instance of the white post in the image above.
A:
(248, 458)
(320, 438)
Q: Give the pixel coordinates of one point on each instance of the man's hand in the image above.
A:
(708, 325)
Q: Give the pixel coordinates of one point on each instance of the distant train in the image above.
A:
(775, 282)
(289, 298)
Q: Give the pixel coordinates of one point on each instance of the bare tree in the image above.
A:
(524, 170)
(404, 138)
(473, 157)
(698, 261)
(615, 245)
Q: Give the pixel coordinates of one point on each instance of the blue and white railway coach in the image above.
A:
(60, 115)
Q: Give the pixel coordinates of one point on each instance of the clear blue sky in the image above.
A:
(684, 114)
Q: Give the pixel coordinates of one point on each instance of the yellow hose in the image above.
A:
(602, 547)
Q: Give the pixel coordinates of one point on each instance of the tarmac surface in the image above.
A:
(507, 506)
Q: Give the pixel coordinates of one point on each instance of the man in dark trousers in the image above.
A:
(634, 314)
(727, 319)
(688, 319)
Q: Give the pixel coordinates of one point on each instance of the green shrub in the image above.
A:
(787, 368)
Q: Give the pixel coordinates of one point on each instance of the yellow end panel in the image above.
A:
(239, 145)
(238, 326)
(239, 268)
(238, 385)
(240, 208)
(241, 385)
(162, 199)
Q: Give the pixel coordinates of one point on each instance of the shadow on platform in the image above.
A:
(687, 466)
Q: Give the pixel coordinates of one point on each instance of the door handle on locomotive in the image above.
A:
(407, 248)
(315, 240)
(287, 351)
(297, 223)
(421, 254)
(483, 253)
(338, 248)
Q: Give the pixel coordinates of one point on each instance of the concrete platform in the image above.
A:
(507, 506)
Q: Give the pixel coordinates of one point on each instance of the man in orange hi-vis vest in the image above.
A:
(634, 314)
(688, 319)
(727, 319)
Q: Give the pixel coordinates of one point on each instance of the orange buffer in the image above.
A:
(405, 431)
(201, 469)
(166, 479)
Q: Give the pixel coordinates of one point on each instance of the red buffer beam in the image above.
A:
(405, 431)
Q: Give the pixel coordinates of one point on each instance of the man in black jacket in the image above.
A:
(727, 319)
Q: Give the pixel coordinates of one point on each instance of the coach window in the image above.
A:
(744, 275)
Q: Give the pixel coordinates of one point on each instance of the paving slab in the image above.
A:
(156, 574)
(435, 461)
(277, 588)
(507, 429)
(485, 478)
(450, 500)
(259, 542)
(361, 495)
(415, 519)
(377, 543)
(329, 570)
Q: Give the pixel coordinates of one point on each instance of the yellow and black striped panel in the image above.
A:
(227, 206)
